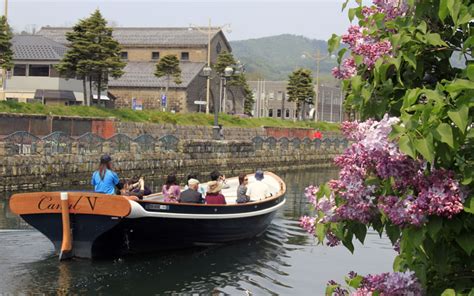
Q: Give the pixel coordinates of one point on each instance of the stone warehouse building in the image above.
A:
(142, 49)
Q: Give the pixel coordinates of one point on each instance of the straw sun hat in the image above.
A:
(214, 187)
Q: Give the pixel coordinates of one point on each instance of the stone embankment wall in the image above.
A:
(41, 169)
(42, 125)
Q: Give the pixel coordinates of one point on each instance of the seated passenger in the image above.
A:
(135, 187)
(201, 188)
(104, 179)
(217, 176)
(191, 195)
(171, 190)
(242, 189)
(214, 195)
(258, 190)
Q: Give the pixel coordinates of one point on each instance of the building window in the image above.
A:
(124, 55)
(19, 70)
(39, 70)
(287, 113)
(155, 55)
(185, 56)
(218, 48)
(270, 113)
(279, 113)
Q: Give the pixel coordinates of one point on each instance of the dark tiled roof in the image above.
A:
(34, 47)
(142, 36)
(140, 74)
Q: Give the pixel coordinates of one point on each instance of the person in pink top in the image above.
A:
(171, 190)
(214, 195)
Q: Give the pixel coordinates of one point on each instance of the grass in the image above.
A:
(160, 117)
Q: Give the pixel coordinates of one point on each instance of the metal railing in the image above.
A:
(24, 143)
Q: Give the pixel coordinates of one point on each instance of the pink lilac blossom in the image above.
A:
(385, 284)
(393, 284)
(346, 70)
(372, 155)
(332, 239)
(371, 48)
(308, 223)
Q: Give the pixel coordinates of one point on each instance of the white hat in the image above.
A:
(193, 182)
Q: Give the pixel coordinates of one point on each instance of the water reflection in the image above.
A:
(284, 260)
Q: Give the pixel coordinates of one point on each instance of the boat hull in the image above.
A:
(105, 236)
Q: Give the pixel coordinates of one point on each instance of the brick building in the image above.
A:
(143, 47)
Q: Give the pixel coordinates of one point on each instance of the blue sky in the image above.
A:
(249, 19)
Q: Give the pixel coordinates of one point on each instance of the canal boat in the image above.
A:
(89, 225)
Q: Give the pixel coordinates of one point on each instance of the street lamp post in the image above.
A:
(207, 72)
(318, 58)
(228, 71)
(210, 32)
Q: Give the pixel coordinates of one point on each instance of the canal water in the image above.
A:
(283, 261)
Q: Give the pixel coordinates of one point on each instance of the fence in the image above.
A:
(24, 143)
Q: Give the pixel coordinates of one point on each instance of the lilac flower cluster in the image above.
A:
(392, 284)
(369, 47)
(371, 162)
(386, 284)
(308, 223)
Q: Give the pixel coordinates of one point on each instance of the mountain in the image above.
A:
(275, 57)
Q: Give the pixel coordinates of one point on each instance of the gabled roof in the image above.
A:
(142, 36)
(35, 47)
(141, 74)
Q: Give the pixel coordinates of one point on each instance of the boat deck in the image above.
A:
(230, 192)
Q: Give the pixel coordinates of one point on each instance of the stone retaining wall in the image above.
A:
(230, 157)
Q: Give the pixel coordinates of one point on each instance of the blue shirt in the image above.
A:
(105, 185)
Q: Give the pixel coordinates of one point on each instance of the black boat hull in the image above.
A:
(104, 236)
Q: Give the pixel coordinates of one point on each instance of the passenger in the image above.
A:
(214, 195)
(104, 179)
(258, 190)
(191, 195)
(217, 176)
(201, 188)
(242, 196)
(135, 187)
(171, 190)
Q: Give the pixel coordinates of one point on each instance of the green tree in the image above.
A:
(104, 52)
(75, 62)
(301, 89)
(6, 53)
(168, 67)
(226, 59)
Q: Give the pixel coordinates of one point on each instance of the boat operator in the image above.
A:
(104, 179)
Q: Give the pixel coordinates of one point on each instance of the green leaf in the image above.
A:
(360, 231)
(355, 282)
(425, 147)
(446, 133)
(459, 85)
(435, 39)
(320, 231)
(470, 72)
(333, 43)
(466, 241)
(448, 292)
(352, 12)
(434, 226)
(406, 146)
(469, 205)
(443, 9)
(460, 116)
